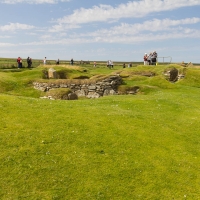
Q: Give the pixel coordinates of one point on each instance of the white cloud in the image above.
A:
(151, 26)
(6, 44)
(15, 26)
(45, 37)
(120, 39)
(33, 1)
(128, 10)
(151, 30)
(63, 27)
(150, 37)
(4, 36)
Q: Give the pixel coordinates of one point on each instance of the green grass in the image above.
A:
(143, 146)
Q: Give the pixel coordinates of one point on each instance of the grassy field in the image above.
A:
(143, 146)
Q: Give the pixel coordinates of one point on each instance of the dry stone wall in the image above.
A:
(104, 87)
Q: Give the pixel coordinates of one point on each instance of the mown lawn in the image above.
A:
(116, 147)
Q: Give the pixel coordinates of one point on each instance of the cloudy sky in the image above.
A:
(99, 30)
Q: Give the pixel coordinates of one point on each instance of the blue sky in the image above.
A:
(100, 30)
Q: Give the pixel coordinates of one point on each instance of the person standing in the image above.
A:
(58, 62)
(154, 58)
(111, 64)
(45, 61)
(18, 62)
(145, 59)
(30, 62)
(72, 61)
(149, 59)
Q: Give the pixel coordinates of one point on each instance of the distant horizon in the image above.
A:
(118, 61)
(166, 59)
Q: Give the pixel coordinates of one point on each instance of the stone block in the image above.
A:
(72, 96)
(52, 73)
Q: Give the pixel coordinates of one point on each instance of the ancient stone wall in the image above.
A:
(104, 87)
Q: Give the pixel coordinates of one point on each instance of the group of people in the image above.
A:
(129, 65)
(150, 59)
(45, 61)
(29, 62)
(19, 62)
(110, 64)
(57, 61)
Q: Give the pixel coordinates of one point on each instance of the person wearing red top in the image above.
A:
(18, 62)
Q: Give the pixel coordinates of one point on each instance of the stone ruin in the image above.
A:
(173, 75)
(105, 87)
(108, 86)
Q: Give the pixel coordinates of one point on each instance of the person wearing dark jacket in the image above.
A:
(154, 58)
(29, 62)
